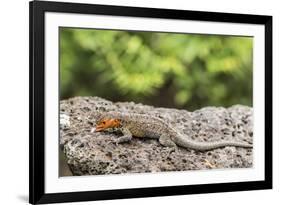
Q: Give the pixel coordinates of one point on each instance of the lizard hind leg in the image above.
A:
(166, 141)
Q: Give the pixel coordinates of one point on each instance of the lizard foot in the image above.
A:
(170, 150)
(119, 141)
(123, 139)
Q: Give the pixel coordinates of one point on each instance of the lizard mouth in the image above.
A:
(99, 128)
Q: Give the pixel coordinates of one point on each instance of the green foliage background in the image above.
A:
(163, 69)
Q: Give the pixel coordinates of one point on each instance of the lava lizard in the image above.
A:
(143, 125)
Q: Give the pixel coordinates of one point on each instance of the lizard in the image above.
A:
(143, 125)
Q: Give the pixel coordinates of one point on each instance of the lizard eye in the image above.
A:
(101, 122)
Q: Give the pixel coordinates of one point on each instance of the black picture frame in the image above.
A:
(37, 10)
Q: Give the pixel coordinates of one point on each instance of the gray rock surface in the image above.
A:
(95, 153)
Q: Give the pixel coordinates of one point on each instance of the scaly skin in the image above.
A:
(141, 125)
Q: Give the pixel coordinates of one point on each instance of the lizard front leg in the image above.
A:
(127, 136)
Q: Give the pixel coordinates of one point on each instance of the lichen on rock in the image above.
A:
(96, 153)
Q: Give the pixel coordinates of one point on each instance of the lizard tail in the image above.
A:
(204, 146)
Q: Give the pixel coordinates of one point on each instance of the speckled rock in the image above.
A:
(96, 153)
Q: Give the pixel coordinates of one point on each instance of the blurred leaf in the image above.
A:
(186, 70)
(182, 97)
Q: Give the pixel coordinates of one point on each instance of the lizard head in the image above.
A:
(107, 123)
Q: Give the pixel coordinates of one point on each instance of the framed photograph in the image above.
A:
(141, 102)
